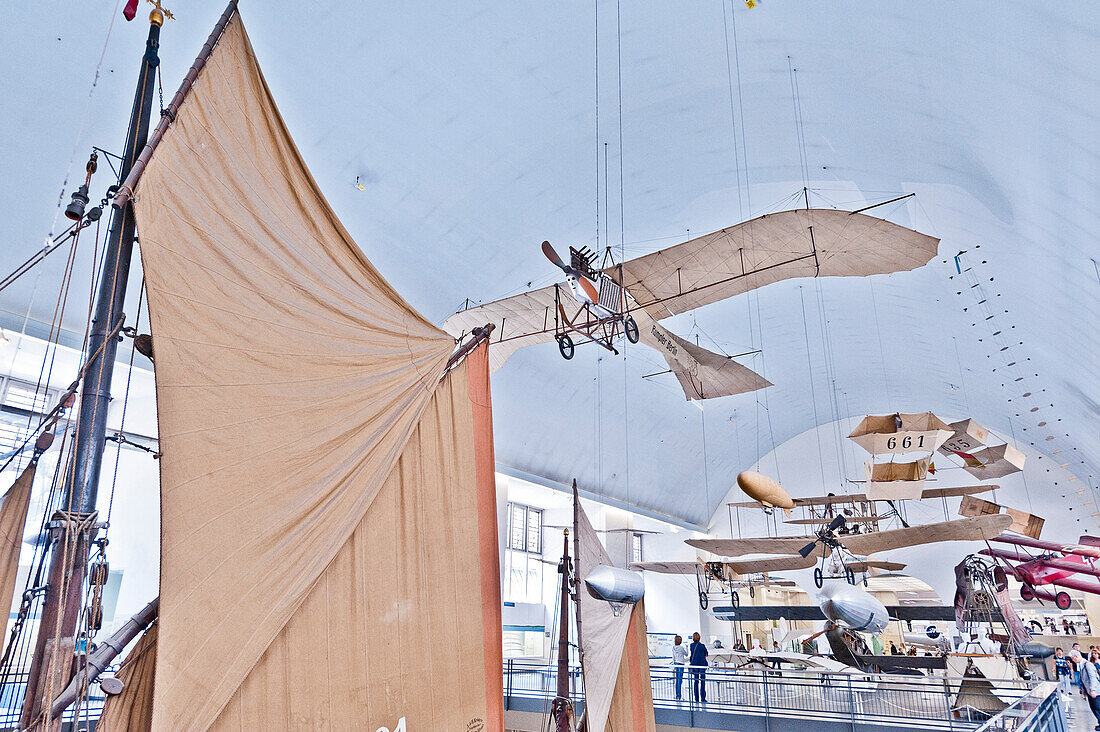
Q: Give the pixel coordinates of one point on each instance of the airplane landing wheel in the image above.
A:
(819, 579)
(1026, 593)
(703, 600)
(1062, 601)
(851, 576)
(565, 345)
(631, 329)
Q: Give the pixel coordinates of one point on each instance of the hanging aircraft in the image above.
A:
(830, 539)
(841, 601)
(628, 298)
(1055, 564)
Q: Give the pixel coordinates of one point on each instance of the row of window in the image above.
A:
(523, 563)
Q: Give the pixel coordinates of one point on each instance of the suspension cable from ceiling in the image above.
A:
(813, 391)
(84, 119)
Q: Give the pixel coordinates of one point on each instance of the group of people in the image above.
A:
(1068, 627)
(1082, 671)
(693, 658)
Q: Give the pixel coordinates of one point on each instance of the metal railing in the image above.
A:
(11, 704)
(1041, 710)
(926, 702)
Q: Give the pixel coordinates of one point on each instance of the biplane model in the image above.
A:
(830, 542)
(1053, 564)
(629, 298)
(821, 509)
(841, 602)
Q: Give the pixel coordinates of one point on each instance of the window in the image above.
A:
(523, 560)
(525, 532)
(636, 547)
(23, 395)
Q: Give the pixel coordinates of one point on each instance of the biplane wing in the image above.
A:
(689, 568)
(822, 520)
(854, 498)
(965, 529)
(762, 545)
(863, 565)
(770, 248)
(755, 253)
(1083, 549)
(764, 566)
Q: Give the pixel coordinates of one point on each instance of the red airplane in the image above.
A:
(1057, 565)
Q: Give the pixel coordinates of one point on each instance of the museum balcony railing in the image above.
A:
(851, 700)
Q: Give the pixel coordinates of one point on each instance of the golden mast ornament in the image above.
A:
(159, 13)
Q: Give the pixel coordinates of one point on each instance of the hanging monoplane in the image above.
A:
(630, 297)
(1054, 564)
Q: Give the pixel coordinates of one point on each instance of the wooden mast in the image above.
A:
(562, 707)
(73, 527)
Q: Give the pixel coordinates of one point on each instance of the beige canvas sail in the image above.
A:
(291, 383)
(632, 700)
(132, 710)
(13, 519)
(606, 640)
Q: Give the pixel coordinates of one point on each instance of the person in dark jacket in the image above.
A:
(1062, 671)
(698, 661)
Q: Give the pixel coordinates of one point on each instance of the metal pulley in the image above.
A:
(95, 614)
(43, 442)
(75, 209)
(98, 573)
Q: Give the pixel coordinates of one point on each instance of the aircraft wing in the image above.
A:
(767, 249)
(1050, 546)
(865, 564)
(668, 567)
(965, 529)
(778, 564)
(854, 498)
(762, 545)
(521, 320)
(528, 319)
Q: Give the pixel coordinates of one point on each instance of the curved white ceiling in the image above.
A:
(472, 128)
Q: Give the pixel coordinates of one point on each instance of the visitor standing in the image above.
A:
(1062, 671)
(679, 661)
(698, 658)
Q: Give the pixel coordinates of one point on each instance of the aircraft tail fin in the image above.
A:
(703, 374)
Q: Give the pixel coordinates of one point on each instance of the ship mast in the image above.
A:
(73, 529)
(561, 709)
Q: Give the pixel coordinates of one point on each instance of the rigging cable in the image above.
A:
(84, 119)
(813, 393)
(122, 418)
(622, 246)
(50, 246)
(881, 350)
(596, 85)
(733, 117)
(830, 373)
